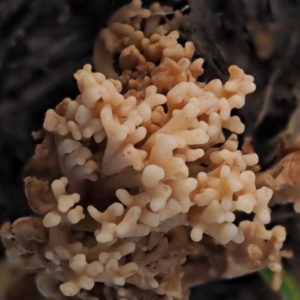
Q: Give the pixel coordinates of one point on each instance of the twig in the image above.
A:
(275, 76)
(185, 8)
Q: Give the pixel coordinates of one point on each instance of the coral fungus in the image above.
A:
(135, 185)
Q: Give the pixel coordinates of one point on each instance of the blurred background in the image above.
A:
(43, 42)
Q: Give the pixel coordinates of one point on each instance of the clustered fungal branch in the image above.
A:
(135, 187)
